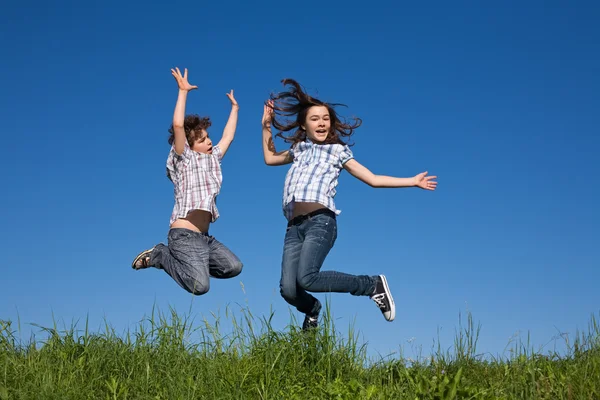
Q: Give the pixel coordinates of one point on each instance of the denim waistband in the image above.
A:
(191, 231)
(301, 218)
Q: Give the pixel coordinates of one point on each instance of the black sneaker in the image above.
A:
(310, 322)
(382, 296)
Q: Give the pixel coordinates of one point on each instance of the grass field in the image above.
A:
(170, 356)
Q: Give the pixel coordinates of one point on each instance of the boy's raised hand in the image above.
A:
(182, 81)
(425, 182)
(234, 103)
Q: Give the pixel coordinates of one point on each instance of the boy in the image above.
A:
(194, 167)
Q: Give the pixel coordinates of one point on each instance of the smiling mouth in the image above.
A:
(321, 131)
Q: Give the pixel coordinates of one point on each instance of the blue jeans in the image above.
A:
(306, 246)
(191, 258)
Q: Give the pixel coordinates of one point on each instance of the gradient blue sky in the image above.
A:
(500, 101)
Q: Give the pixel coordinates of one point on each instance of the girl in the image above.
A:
(318, 154)
(194, 167)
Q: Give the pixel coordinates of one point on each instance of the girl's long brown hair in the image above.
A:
(296, 102)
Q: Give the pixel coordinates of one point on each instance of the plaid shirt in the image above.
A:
(314, 174)
(196, 179)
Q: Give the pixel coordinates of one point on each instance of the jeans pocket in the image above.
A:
(322, 229)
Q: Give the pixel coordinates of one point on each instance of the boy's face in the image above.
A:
(203, 144)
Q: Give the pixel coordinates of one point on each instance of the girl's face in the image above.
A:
(203, 144)
(317, 124)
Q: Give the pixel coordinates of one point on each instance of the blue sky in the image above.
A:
(500, 101)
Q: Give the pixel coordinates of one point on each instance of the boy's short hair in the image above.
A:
(193, 125)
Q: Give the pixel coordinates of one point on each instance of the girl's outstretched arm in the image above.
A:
(179, 113)
(229, 131)
(380, 181)
(272, 157)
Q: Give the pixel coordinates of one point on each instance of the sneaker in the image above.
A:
(383, 298)
(142, 260)
(310, 322)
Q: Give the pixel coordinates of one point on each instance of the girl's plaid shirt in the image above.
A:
(197, 179)
(314, 174)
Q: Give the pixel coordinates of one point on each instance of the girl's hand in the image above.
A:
(425, 182)
(234, 103)
(267, 113)
(182, 81)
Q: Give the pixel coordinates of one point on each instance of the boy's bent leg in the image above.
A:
(222, 262)
(185, 260)
(288, 285)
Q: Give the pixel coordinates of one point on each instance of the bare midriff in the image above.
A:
(301, 208)
(197, 220)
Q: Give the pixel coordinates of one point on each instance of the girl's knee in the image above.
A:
(288, 292)
(306, 281)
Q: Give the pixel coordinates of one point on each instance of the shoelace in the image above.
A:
(378, 299)
(312, 319)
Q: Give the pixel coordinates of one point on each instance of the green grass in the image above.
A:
(170, 356)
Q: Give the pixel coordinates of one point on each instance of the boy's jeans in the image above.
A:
(192, 257)
(306, 246)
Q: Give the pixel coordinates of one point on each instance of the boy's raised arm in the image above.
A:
(179, 113)
(229, 131)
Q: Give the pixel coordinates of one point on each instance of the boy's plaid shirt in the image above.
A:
(197, 179)
(314, 174)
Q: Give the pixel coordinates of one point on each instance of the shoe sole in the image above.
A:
(388, 293)
(145, 253)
